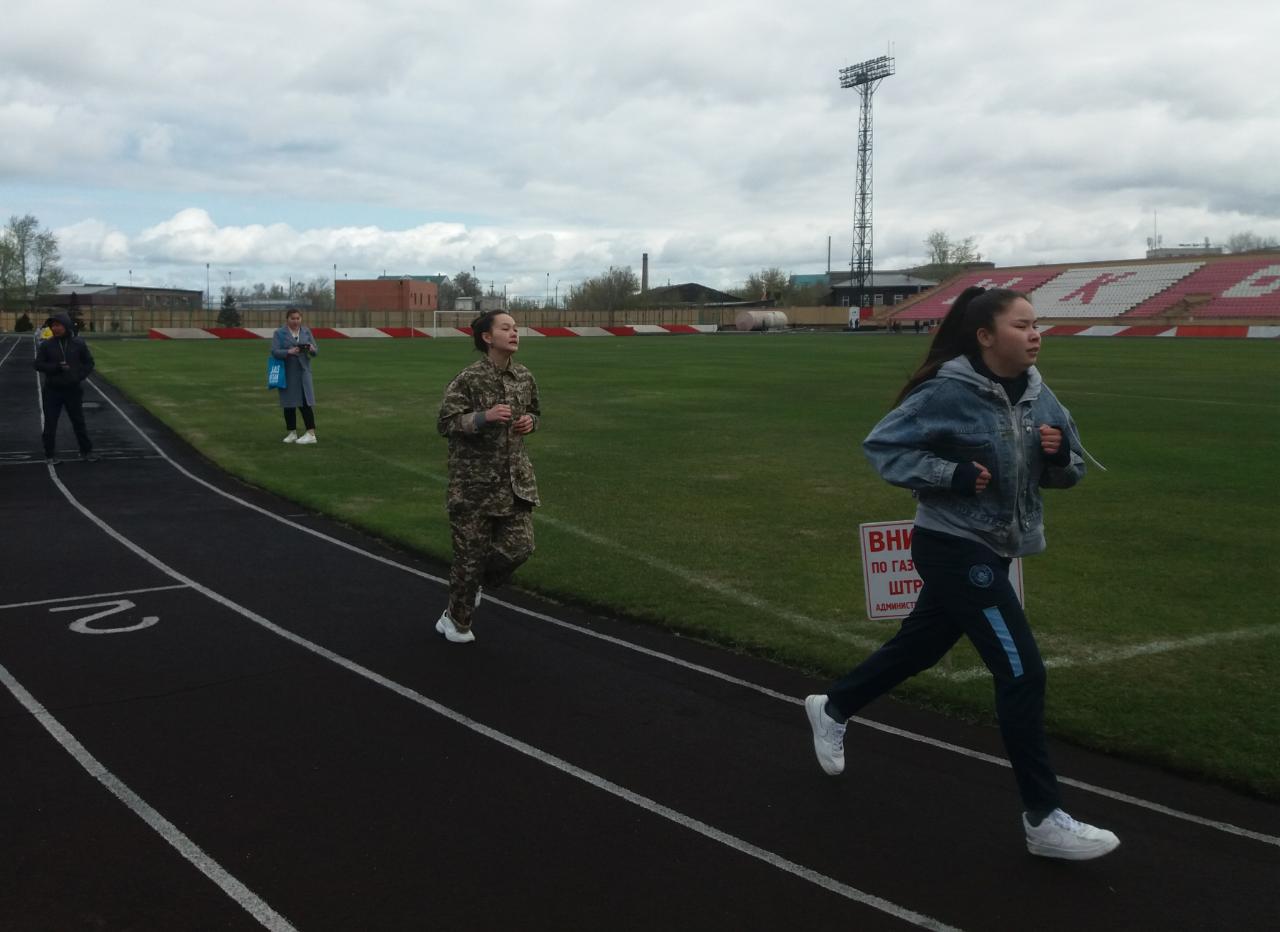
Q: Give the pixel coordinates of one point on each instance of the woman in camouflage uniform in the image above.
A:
(487, 410)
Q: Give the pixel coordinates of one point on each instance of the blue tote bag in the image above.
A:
(275, 373)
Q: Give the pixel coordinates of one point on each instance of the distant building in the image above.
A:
(86, 297)
(695, 295)
(886, 288)
(388, 293)
(1177, 252)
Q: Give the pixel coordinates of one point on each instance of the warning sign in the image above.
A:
(889, 576)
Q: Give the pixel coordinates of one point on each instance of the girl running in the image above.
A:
(975, 435)
(487, 410)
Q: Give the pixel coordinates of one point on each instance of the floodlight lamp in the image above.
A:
(866, 72)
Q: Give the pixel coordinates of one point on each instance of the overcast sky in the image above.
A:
(543, 141)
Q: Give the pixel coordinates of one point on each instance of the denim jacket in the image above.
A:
(960, 416)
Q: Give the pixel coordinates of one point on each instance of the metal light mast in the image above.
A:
(865, 77)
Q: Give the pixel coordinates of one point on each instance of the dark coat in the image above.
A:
(69, 349)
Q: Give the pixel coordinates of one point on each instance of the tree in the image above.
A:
(318, 293)
(613, 291)
(28, 262)
(467, 284)
(1248, 240)
(771, 283)
(229, 315)
(938, 246)
(942, 250)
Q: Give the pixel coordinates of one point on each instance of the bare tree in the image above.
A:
(767, 283)
(615, 290)
(1248, 240)
(938, 245)
(942, 250)
(28, 261)
(9, 288)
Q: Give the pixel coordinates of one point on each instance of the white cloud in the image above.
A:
(565, 136)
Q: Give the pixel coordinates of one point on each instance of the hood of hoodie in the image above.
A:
(64, 318)
(961, 370)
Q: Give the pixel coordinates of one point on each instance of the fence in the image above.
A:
(139, 320)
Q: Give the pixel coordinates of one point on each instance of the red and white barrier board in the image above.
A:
(1163, 330)
(358, 333)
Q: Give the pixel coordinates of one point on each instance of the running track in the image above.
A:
(272, 736)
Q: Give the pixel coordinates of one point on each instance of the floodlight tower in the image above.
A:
(866, 77)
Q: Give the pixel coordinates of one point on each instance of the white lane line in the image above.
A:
(95, 595)
(1225, 827)
(1115, 795)
(643, 802)
(10, 353)
(246, 898)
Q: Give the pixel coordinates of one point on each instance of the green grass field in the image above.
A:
(715, 485)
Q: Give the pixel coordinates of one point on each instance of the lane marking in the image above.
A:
(11, 349)
(1114, 795)
(113, 607)
(740, 845)
(96, 595)
(1225, 827)
(246, 898)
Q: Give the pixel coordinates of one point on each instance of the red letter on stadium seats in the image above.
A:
(1089, 290)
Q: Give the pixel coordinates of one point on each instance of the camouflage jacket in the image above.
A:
(488, 466)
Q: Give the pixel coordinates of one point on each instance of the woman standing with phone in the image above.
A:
(294, 344)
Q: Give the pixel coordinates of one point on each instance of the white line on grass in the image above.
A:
(1181, 401)
(1129, 652)
(1225, 827)
(96, 595)
(643, 802)
(246, 898)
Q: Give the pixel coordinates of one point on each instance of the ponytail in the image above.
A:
(975, 309)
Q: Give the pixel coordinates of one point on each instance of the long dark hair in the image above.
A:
(974, 310)
(482, 325)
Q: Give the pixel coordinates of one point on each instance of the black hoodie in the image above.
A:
(67, 348)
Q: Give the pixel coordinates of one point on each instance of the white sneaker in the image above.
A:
(291, 437)
(479, 593)
(1060, 836)
(828, 735)
(308, 437)
(446, 627)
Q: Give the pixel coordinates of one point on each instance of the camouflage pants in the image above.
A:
(487, 549)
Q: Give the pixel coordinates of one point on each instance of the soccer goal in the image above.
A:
(450, 320)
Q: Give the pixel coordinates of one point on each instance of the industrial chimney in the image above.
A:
(644, 273)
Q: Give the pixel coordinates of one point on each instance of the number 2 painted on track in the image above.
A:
(114, 607)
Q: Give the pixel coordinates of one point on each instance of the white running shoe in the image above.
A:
(308, 437)
(450, 631)
(291, 437)
(828, 735)
(479, 593)
(1060, 836)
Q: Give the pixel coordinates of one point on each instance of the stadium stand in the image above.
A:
(1245, 288)
(934, 305)
(1107, 291)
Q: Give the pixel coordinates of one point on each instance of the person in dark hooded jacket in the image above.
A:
(65, 360)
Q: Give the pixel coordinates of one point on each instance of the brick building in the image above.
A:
(404, 293)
